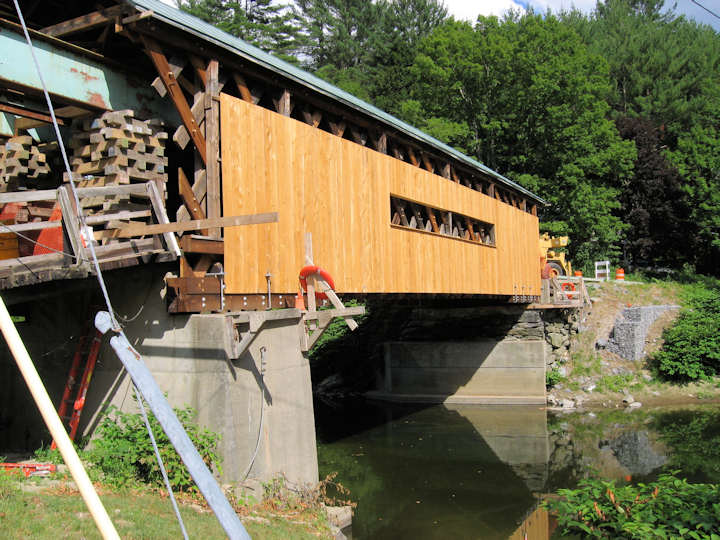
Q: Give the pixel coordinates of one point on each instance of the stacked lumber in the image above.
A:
(118, 148)
(23, 164)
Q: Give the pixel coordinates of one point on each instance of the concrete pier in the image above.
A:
(187, 355)
(484, 372)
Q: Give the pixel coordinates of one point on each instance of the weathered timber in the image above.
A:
(193, 244)
(176, 94)
(86, 22)
(138, 229)
(212, 139)
(188, 198)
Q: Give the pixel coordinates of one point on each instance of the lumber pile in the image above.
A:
(117, 148)
(23, 164)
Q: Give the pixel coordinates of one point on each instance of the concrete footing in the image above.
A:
(264, 395)
(474, 372)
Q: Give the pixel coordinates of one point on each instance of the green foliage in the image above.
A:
(553, 377)
(527, 98)
(615, 383)
(668, 508)
(8, 484)
(365, 47)
(124, 453)
(693, 437)
(46, 454)
(692, 345)
(338, 327)
(266, 24)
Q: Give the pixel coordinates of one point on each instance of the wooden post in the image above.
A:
(312, 304)
(212, 138)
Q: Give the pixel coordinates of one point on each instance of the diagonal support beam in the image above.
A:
(176, 94)
(85, 22)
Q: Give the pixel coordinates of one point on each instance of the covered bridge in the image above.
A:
(170, 120)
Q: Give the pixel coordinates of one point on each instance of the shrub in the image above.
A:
(692, 345)
(124, 453)
(553, 377)
(668, 508)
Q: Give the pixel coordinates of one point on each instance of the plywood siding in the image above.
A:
(340, 192)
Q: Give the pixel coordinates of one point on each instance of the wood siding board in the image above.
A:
(340, 192)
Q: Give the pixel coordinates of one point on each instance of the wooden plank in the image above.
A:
(194, 225)
(212, 139)
(28, 196)
(243, 88)
(283, 104)
(70, 221)
(338, 128)
(176, 94)
(85, 22)
(188, 198)
(193, 244)
(340, 191)
(26, 113)
(159, 210)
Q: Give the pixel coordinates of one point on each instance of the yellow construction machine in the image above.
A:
(554, 260)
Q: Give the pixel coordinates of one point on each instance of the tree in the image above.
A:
(366, 47)
(263, 23)
(525, 97)
(653, 201)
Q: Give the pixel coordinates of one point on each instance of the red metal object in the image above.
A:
(79, 402)
(52, 238)
(30, 469)
(84, 383)
(309, 270)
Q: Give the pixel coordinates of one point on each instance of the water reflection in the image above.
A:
(461, 471)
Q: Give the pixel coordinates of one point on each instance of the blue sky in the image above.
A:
(469, 9)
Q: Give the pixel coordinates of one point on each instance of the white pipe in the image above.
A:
(57, 430)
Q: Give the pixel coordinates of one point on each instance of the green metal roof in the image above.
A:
(188, 23)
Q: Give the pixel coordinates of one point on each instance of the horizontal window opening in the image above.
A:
(412, 215)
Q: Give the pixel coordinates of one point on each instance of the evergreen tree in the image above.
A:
(366, 47)
(270, 26)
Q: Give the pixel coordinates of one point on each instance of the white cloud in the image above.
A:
(469, 10)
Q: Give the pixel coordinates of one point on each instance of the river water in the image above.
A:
(464, 471)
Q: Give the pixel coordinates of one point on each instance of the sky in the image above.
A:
(470, 9)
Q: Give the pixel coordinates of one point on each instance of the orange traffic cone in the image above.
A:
(299, 301)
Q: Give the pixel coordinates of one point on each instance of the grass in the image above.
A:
(59, 512)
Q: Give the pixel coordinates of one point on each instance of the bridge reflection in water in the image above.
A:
(446, 471)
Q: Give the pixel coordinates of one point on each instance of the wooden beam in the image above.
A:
(188, 198)
(446, 171)
(25, 113)
(433, 219)
(140, 229)
(412, 157)
(192, 244)
(359, 136)
(212, 141)
(454, 175)
(85, 22)
(243, 88)
(469, 227)
(283, 105)
(200, 68)
(312, 118)
(338, 128)
(176, 94)
(380, 142)
(428, 163)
